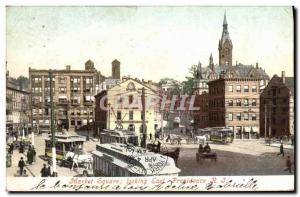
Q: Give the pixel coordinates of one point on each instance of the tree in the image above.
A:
(23, 82)
(174, 84)
(187, 85)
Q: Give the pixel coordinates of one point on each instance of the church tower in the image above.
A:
(225, 46)
(211, 63)
(116, 71)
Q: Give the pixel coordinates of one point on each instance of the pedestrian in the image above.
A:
(288, 164)
(49, 170)
(44, 171)
(21, 165)
(11, 148)
(21, 148)
(25, 173)
(158, 146)
(207, 148)
(33, 154)
(281, 152)
(150, 136)
(200, 149)
(179, 140)
(30, 156)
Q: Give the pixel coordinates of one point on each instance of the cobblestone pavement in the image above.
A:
(252, 157)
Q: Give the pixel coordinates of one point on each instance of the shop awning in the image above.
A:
(247, 129)
(254, 129)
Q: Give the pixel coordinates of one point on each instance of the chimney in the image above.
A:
(283, 76)
(256, 65)
(68, 67)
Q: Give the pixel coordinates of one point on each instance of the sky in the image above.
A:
(150, 42)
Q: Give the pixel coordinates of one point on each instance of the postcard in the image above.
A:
(150, 99)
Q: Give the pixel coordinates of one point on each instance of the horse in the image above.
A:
(79, 159)
(201, 138)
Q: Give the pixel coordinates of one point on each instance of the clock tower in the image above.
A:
(225, 46)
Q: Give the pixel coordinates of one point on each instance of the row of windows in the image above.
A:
(231, 103)
(239, 102)
(240, 116)
(119, 115)
(87, 80)
(238, 88)
(234, 116)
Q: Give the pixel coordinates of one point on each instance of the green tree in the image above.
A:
(188, 83)
(23, 82)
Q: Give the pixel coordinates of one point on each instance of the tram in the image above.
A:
(221, 134)
(118, 136)
(114, 160)
(64, 143)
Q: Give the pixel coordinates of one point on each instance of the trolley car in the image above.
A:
(63, 143)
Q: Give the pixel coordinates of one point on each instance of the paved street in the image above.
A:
(239, 158)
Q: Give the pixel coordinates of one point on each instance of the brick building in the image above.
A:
(277, 107)
(73, 92)
(17, 106)
(234, 101)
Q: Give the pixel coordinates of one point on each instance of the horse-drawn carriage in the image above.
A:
(202, 156)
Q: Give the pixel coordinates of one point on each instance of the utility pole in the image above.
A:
(108, 116)
(270, 125)
(52, 127)
(144, 119)
(88, 126)
(265, 121)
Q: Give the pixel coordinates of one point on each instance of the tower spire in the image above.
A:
(199, 70)
(225, 20)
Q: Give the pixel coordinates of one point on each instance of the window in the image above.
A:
(119, 115)
(130, 99)
(254, 89)
(238, 103)
(238, 116)
(230, 117)
(274, 92)
(130, 115)
(230, 89)
(142, 117)
(274, 101)
(62, 80)
(246, 88)
(246, 102)
(253, 102)
(253, 116)
(238, 88)
(230, 103)
(246, 116)
(62, 90)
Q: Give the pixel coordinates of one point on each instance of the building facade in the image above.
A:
(234, 102)
(121, 107)
(201, 116)
(17, 106)
(73, 92)
(277, 107)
